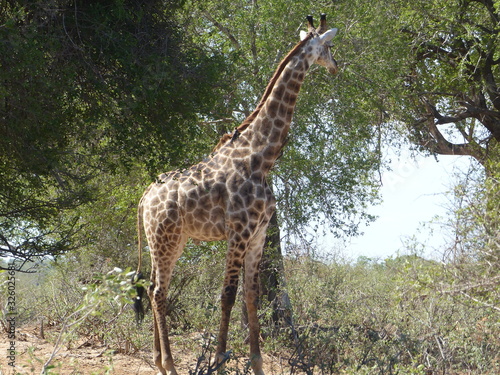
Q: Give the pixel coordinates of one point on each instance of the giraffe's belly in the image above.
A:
(203, 210)
(205, 225)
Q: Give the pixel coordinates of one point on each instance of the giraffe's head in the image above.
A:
(320, 40)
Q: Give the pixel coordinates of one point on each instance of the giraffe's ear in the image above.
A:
(326, 37)
(303, 34)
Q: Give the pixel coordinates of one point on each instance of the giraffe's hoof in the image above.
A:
(167, 372)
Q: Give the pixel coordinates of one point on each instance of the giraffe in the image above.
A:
(226, 197)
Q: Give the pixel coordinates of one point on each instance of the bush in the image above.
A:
(385, 318)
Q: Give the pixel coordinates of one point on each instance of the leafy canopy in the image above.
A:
(88, 88)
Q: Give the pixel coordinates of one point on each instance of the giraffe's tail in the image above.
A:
(138, 305)
(138, 276)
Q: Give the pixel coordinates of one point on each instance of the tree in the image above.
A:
(453, 74)
(473, 254)
(432, 69)
(423, 64)
(89, 88)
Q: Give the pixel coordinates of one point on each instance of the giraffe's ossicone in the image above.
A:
(226, 197)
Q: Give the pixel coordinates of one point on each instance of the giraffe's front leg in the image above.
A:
(252, 261)
(234, 261)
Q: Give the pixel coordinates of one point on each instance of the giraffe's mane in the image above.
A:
(226, 137)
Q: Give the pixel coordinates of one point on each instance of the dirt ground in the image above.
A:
(32, 352)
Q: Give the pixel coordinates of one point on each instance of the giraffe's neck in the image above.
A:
(264, 138)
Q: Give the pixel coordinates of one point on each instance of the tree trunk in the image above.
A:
(272, 279)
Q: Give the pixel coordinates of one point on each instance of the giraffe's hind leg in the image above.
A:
(157, 357)
(163, 263)
(156, 342)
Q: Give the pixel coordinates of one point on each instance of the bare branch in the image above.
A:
(441, 146)
(491, 282)
(436, 142)
(481, 302)
(223, 29)
(219, 121)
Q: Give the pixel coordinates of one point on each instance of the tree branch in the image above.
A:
(491, 85)
(219, 121)
(223, 29)
(436, 142)
(490, 305)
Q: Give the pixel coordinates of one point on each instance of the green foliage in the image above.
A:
(473, 253)
(448, 75)
(94, 90)
(91, 88)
